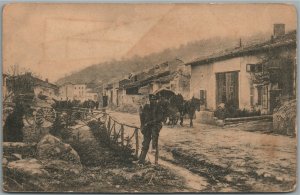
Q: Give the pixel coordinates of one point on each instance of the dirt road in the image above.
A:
(193, 182)
(241, 158)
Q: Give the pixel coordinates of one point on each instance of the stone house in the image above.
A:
(70, 91)
(231, 76)
(27, 83)
(111, 93)
(82, 92)
(134, 89)
(172, 75)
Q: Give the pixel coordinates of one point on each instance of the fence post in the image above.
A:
(122, 134)
(115, 133)
(136, 132)
(156, 153)
(127, 140)
(108, 126)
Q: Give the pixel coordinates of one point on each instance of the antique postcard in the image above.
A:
(144, 98)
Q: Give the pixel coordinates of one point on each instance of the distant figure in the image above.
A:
(151, 117)
(97, 105)
(12, 130)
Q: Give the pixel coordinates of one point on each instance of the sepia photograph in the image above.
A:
(149, 98)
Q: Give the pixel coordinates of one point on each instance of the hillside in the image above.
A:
(119, 68)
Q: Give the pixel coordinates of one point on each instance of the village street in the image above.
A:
(231, 158)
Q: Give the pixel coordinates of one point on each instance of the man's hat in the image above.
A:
(152, 97)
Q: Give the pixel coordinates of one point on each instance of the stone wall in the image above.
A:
(205, 117)
(284, 118)
(131, 103)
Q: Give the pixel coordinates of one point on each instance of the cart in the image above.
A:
(38, 109)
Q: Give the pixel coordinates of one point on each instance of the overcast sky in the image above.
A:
(56, 39)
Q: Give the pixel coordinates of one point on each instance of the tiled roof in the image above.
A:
(146, 81)
(165, 79)
(36, 81)
(44, 83)
(288, 39)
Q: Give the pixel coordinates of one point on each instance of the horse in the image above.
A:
(175, 109)
(190, 108)
(173, 115)
(164, 105)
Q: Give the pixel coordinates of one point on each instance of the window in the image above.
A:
(262, 92)
(203, 96)
(259, 95)
(265, 97)
(132, 91)
(254, 67)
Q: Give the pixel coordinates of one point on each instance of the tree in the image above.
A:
(277, 71)
(12, 129)
(275, 66)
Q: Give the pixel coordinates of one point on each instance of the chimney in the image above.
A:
(47, 80)
(278, 30)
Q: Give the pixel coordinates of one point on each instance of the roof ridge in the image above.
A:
(228, 51)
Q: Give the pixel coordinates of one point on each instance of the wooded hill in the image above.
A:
(120, 68)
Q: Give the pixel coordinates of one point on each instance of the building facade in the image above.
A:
(250, 77)
(111, 93)
(70, 91)
(134, 89)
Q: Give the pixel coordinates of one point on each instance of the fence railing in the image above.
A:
(119, 133)
(122, 134)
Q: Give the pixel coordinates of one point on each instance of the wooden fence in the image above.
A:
(117, 133)
(121, 134)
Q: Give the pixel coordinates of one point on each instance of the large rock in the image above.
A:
(284, 119)
(57, 156)
(52, 148)
(27, 168)
(62, 167)
(25, 175)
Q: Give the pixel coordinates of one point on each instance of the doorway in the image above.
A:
(228, 88)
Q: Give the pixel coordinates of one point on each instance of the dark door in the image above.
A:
(105, 98)
(228, 88)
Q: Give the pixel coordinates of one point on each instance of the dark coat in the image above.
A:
(151, 115)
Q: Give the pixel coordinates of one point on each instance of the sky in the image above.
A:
(53, 40)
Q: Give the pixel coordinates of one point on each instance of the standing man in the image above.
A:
(151, 118)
